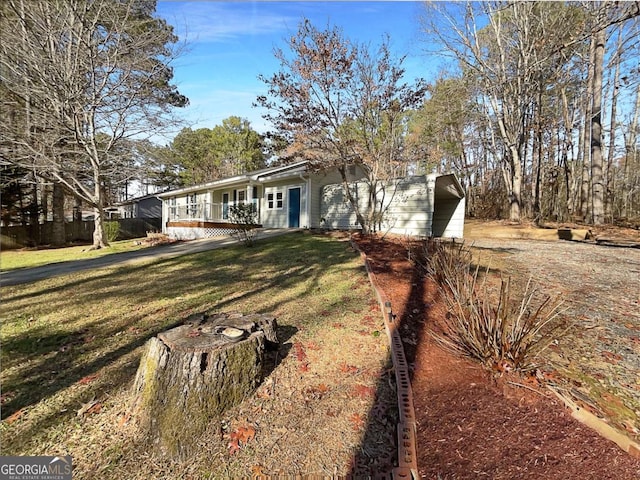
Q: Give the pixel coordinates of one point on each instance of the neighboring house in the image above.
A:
(137, 216)
(290, 196)
(146, 207)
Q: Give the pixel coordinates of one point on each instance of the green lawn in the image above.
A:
(27, 258)
(75, 338)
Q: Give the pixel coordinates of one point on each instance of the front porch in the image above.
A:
(199, 212)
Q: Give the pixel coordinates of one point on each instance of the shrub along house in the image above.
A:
(291, 196)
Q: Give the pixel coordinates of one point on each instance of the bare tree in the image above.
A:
(527, 59)
(85, 75)
(631, 169)
(597, 178)
(340, 104)
(502, 57)
(605, 14)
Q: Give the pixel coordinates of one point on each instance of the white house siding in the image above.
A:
(412, 206)
(317, 183)
(279, 217)
(448, 220)
(409, 206)
(335, 212)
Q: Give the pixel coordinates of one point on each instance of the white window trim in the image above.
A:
(273, 203)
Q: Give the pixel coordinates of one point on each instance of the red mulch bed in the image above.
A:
(472, 423)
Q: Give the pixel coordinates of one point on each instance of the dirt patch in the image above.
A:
(473, 423)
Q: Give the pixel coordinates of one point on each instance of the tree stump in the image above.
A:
(190, 374)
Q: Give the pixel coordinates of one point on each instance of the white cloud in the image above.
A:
(220, 22)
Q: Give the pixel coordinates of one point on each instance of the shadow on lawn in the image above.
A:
(65, 360)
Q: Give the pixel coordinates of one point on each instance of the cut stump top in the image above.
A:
(205, 333)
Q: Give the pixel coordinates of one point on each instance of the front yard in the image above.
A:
(71, 346)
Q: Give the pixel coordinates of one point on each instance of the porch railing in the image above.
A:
(206, 212)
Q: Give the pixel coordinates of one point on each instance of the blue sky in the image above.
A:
(230, 43)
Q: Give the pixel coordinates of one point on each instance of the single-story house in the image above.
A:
(291, 196)
(147, 206)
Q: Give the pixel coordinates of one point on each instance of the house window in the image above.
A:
(242, 196)
(173, 208)
(275, 200)
(192, 205)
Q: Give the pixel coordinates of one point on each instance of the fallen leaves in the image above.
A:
(348, 369)
(611, 357)
(124, 419)
(357, 421)
(316, 392)
(363, 391)
(89, 408)
(258, 473)
(239, 438)
(267, 389)
(88, 379)
(313, 346)
(301, 356)
(15, 416)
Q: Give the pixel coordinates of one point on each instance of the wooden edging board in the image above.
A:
(600, 426)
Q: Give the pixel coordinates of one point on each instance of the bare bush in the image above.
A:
(506, 331)
(245, 218)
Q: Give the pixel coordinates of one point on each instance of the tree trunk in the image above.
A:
(353, 201)
(630, 156)
(537, 155)
(583, 209)
(34, 212)
(609, 174)
(191, 374)
(99, 233)
(58, 237)
(596, 132)
(515, 194)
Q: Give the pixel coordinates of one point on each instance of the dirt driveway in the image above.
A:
(598, 360)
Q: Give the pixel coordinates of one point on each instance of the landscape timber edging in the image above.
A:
(597, 424)
(406, 430)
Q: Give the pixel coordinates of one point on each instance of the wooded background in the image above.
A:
(536, 110)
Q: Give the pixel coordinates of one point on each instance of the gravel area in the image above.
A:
(598, 360)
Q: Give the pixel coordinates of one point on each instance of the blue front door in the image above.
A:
(294, 207)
